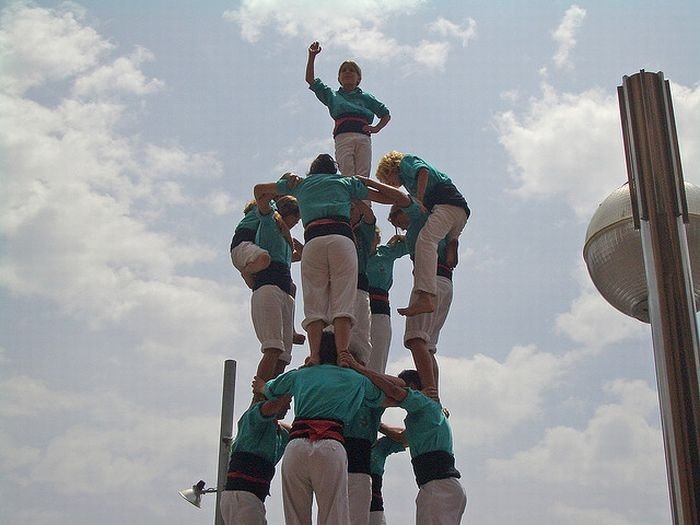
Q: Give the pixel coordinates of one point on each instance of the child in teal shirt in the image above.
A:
(353, 111)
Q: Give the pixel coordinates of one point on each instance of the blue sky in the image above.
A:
(132, 135)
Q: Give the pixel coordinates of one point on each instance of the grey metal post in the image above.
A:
(226, 432)
(660, 210)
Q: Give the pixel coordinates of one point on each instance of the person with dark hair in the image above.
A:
(359, 436)
(422, 331)
(326, 399)
(329, 259)
(258, 447)
(381, 449)
(441, 498)
(380, 278)
(272, 302)
(363, 223)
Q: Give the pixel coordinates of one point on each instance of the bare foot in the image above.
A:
(423, 304)
(298, 339)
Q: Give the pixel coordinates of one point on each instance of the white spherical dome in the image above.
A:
(613, 252)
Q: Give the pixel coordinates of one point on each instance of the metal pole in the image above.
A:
(226, 432)
(658, 197)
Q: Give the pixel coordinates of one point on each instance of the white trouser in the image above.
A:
(239, 507)
(246, 252)
(427, 326)
(360, 497)
(444, 221)
(272, 310)
(441, 502)
(376, 517)
(381, 341)
(360, 346)
(329, 279)
(317, 468)
(353, 153)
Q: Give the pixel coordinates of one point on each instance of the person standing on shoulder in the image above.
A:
(272, 302)
(380, 278)
(448, 213)
(329, 259)
(353, 111)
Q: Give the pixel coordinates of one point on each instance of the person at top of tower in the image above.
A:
(353, 111)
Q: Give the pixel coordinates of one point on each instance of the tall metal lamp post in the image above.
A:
(194, 494)
(663, 215)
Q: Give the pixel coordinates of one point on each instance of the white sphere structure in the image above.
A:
(613, 252)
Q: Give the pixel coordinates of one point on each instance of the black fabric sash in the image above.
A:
(241, 235)
(278, 274)
(359, 453)
(249, 473)
(434, 465)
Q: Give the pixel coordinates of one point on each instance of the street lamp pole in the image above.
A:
(660, 213)
(225, 433)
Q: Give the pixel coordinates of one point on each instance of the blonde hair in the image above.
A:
(354, 65)
(249, 206)
(387, 164)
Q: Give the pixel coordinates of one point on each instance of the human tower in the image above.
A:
(335, 449)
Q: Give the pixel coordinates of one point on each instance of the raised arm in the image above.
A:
(274, 406)
(263, 203)
(314, 49)
(384, 194)
(366, 212)
(264, 193)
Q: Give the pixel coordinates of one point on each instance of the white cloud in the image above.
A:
(38, 44)
(686, 109)
(14, 456)
(593, 323)
(578, 516)
(565, 35)
(495, 397)
(445, 27)
(431, 54)
(100, 258)
(358, 27)
(117, 445)
(122, 76)
(569, 146)
(620, 449)
(222, 204)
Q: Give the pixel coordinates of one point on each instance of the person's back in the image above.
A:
(326, 398)
(326, 391)
(323, 195)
